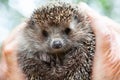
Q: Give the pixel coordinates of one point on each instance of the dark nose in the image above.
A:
(57, 44)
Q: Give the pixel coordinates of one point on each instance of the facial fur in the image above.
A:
(56, 37)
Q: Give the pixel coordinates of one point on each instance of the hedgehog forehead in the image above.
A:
(53, 15)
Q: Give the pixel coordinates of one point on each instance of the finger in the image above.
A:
(112, 24)
(10, 44)
(107, 61)
(13, 71)
(9, 56)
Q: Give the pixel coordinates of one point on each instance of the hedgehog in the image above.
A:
(57, 44)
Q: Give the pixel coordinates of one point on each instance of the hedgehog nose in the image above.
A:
(57, 44)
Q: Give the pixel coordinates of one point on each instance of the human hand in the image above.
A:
(9, 69)
(106, 65)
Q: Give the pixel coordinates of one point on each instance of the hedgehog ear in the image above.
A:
(76, 19)
(31, 24)
(74, 22)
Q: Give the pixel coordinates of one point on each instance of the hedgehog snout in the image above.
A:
(57, 43)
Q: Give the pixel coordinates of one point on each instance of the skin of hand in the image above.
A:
(9, 69)
(106, 64)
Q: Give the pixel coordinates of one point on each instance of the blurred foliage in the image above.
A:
(107, 6)
(4, 2)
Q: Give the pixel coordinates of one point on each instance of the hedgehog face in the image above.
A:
(56, 26)
(58, 37)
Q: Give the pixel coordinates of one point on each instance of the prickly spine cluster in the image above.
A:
(54, 14)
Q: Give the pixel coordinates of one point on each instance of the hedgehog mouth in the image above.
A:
(62, 51)
(69, 51)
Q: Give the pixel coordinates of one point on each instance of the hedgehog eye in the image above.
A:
(45, 33)
(67, 30)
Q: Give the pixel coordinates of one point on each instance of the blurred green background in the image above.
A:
(13, 12)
